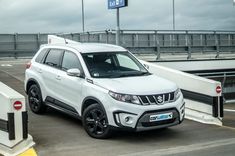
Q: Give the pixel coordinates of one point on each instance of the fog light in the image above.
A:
(127, 119)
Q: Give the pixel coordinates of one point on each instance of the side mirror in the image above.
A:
(74, 72)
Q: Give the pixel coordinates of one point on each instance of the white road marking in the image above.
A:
(186, 148)
(6, 65)
(229, 110)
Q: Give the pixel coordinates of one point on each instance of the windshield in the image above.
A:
(113, 65)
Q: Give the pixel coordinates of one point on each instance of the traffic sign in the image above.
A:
(114, 4)
(17, 105)
(218, 89)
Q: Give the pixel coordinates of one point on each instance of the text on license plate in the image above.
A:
(160, 117)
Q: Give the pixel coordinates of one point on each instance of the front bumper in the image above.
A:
(139, 118)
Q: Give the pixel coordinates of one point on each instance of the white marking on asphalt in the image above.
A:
(229, 110)
(22, 80)
(6, 65)
(186, 148)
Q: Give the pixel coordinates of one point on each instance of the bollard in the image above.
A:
(14, 138)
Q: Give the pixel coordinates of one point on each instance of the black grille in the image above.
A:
(158, 99)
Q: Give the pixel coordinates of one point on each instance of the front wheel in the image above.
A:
(35, 100)
(95, 122)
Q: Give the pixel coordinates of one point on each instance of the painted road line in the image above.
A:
(229, 110)
(30, 152)
(231, 128)
(187, 148)
(8, 73)
(6, 65)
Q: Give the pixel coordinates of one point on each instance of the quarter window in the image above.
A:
(41, 55)
(53, 58)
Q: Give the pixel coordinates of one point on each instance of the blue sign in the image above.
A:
(114, 4)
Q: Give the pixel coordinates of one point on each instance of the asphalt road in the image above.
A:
(57, 134)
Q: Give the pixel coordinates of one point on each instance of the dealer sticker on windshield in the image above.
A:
(161, 117)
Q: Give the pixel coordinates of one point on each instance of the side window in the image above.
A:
(41, 55)
(70, 61)
(126, 62)
(53, 58)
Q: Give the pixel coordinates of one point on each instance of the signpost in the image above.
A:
(116, 4)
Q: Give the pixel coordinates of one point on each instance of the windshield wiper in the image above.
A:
(145, 73)
(134, 74)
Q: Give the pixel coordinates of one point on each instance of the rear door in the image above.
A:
(49, 72)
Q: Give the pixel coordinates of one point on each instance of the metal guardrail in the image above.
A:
(138, 41)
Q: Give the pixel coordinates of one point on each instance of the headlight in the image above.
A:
(177, 94)
(125, 98)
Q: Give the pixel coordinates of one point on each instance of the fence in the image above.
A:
(138, 41)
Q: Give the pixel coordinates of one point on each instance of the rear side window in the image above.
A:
(53, 58)
(41, 55)
(70, 61)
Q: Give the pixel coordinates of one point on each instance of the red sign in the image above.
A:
(17, 105)
(218, 89)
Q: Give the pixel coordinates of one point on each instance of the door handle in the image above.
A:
(58, 77)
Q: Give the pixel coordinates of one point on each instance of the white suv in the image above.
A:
(103, 85)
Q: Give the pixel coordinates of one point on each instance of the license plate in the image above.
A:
(161, 117)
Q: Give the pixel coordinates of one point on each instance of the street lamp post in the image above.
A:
(83, 20)
(173, 7)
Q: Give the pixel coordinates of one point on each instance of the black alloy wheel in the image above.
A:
(95, 122)
(35, 100)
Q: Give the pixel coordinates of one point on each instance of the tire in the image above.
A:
(35, 100)
(95, 122)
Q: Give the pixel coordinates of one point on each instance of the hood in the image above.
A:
(139, 85)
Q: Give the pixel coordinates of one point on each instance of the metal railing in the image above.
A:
(138, 41)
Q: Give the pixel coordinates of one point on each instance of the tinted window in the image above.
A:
(41, 56)
(53, 57)
(70, 61)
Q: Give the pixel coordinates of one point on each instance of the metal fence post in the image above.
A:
(15, 44)
(133, 40)
(88, 37)
(38, 40)
(149, 42)
(188, 45)
(137, 40)
(15, 41)
(158, 46)
(216, 45)
(107, 36)
(229, 40)
(121, 38)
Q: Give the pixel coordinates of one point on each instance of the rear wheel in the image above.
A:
(95, 122)
(35, 100)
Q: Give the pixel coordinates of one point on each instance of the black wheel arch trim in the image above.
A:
(30, 80)
(95, 99)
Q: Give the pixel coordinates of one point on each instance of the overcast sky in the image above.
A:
(63, 16)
